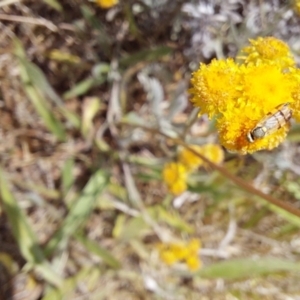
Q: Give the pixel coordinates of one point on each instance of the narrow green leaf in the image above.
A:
(133, 228)
(68, 289)
(39, 189)
(36, 96)
(98, 76)
(103, 38)
(243, 268)
(54, 4)
(172, 218)
(93, 247)
(79, 211)
(131, 20)
(39, 89)
(291, 218)
(67, 175)
(44, 111)
(146, 55)
(25, 236)
(90, 109)
(80, 88)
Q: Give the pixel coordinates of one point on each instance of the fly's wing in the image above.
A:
(273, 122)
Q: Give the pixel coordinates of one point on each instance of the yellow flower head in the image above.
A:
(213, 84)
(107, 3)
(265, 83)
(295, 106)
(296, 6)
(172, 253)
(269, 50)
(189, 159)
(211, 151)
(168, 257)
(193, 263)
(175, 176)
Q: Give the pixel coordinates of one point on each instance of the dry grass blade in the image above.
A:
(79, 211)
(25, 236)
(7, 2)
(34, 21)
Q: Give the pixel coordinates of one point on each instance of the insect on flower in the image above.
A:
(273, 121)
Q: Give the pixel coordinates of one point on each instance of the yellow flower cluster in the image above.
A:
(212, 152)
(181, 252)
(175, 174)
(246, 95)
(106, 3)
(296, 6)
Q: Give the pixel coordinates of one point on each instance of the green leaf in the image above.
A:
(133, 228)
(67, 175)
(243, 268)
(103, 38)
(54, 4)
(36, 188)
(79, 211)
(146, 55)
(80, 88)
(85, 275)
(93, 247)
(291, 218)
(99, 75)
(39, 89)
(90, 109)
(171, 218)
(24, 235)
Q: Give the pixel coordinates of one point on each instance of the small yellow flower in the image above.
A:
(107, 3)
(181, 252)
(189, 159)
(266, 79)
(193, 263)
(175, 176)
(213, 84)
(295, 106)
(168, 257)
(211, 151)
(194, 245)
(263, 88)
(266, 84)
(269, 50)
(296, 6)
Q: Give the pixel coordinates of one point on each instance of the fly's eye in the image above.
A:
(250, 137)
(259, 132)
